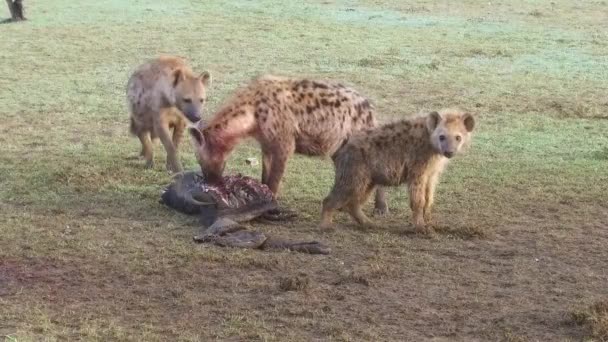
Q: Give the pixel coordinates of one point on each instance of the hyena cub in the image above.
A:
(285, 116)
(413, 151)
(165, 94)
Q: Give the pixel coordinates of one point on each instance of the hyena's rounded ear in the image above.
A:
(178, 76)
(433, 120)
(205, 77)
(197, 136)
(469, 122)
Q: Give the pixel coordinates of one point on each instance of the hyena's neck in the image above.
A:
(426, 146)
(418, 138)
(228, 127)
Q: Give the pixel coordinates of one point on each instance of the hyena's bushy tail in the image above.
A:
(337, 153)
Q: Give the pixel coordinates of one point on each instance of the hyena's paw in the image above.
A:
(425, 231)
(132, 157)
(149, 164)
(174, 167)
(326, 225)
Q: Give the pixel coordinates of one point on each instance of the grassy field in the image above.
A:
(87, 252)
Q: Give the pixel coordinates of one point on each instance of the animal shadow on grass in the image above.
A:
(134, 157)
(11, 20)
(134, 162)
(402, 226)
(461, 232)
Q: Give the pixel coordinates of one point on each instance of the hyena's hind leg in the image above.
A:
(358, 200)
(380, 205)
(350, 198)
(178, 133)
(336, 200)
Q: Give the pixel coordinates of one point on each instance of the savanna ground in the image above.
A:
(87, 252)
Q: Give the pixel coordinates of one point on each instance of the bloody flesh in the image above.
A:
(237, 197)
(237, 191)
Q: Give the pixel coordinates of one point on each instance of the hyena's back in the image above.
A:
(318, 115)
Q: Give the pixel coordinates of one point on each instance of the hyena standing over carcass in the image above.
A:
(285, 116)
(164, 94)
(412, 151)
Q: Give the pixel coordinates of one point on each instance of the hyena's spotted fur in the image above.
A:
(412, 151)
(165, 94)
(286, 116)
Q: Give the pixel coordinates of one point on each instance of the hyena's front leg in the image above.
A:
(278, 165)
(163, 132)
(430, 197)
(178, 133)
(417, 194)
(266, 165)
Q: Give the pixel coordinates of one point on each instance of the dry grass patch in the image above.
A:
(470, 231)
(294, 283)
(595, 319)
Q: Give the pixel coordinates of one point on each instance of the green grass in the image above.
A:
(86, 250)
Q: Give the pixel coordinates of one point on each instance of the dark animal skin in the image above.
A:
(223, 205)
(238, 197)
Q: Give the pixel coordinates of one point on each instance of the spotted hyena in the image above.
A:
(286, 116)
(412, 151)
(165, 94)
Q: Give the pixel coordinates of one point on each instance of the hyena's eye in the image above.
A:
(188, 100)
(442, 137)
(202, 100)
(458, 138)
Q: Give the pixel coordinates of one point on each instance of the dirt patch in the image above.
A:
(294, 283)
(376, 286)
(16, 275)
(57, 281)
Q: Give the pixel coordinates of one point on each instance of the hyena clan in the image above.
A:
(285, 116)
(165, 94)
(412, 151)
